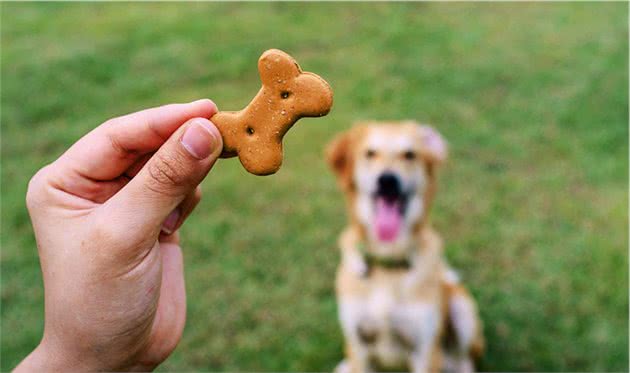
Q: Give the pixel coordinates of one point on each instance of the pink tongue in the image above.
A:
(388, 220)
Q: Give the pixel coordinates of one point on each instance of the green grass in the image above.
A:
(533, 99)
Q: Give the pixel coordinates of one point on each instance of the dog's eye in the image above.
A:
(409, 155)
(370, 153)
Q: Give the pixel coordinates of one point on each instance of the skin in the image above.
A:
(106, 216)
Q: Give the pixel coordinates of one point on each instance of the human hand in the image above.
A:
(105, 216)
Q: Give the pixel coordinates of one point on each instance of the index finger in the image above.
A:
(111, 148)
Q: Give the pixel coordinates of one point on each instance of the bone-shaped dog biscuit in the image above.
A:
(255, 133)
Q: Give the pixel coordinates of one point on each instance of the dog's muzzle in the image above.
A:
(388, 186)
(389, 207)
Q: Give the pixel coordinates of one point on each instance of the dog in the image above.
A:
(401, 306)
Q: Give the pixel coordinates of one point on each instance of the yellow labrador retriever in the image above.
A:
(401, 307)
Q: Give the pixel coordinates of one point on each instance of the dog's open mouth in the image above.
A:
(389, 208)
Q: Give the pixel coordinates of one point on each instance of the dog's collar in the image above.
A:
(372, 260)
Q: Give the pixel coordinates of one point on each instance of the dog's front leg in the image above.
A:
(359, 361)
(418, 325)
(427, 358)
(351, 311)
(356, 363)
(464, 320)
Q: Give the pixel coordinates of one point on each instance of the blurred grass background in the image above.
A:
(532, 97)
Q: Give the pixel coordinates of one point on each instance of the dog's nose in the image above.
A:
(388, 185)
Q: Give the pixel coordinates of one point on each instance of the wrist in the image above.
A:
(45, 358)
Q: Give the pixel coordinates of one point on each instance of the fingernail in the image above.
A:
(198, 140)
(171, 221)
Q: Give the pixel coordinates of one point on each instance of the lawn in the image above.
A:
(533, 203)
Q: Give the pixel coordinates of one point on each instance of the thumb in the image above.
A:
(173, 172)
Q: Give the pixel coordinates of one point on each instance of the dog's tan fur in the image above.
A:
(421, 318)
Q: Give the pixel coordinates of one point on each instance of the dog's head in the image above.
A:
(388, 172)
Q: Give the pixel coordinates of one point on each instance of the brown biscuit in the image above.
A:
(255, 133)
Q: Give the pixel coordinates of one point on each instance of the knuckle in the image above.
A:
(106, 235)
(166, 172)
(112, 123)
(113, 236)
(36, 191)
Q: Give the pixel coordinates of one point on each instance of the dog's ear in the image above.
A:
(433, 146)
(339, 157)
(434, 152)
